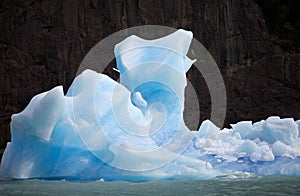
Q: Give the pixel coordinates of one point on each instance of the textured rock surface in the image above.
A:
(43, 42)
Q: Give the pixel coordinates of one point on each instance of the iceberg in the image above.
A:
(134, 130)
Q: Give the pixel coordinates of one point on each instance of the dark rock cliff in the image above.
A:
(43, 42)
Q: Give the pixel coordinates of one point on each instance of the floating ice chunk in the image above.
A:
(208, 130)
(271, 130)
(229, 145)
(134, 130)
(276, 129)
(243, 128)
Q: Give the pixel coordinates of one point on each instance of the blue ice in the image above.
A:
(134, 130)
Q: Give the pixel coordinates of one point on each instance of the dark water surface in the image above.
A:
(226, 185)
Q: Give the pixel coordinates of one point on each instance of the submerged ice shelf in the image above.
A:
(134, 130)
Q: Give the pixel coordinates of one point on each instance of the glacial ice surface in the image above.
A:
(134, 130)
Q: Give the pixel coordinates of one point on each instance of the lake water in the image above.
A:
(224, 185)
